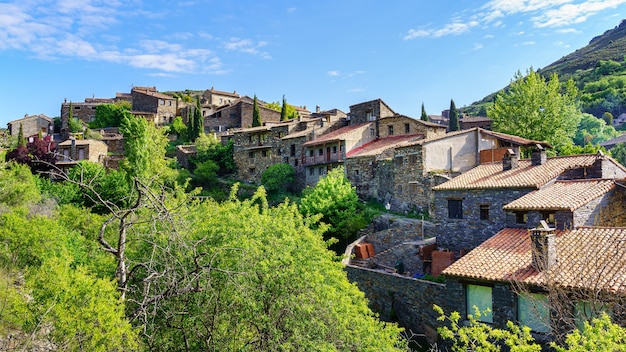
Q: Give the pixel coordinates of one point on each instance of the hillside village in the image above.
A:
(506, 233)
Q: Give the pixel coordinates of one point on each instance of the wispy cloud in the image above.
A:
(247, 46)
(87, 30)
(541, 13)
(333, 73)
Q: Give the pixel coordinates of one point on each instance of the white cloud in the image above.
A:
(355, 90)
(541, 13)
(568, 30)
(333, 73)
(247, 46)
(477, 46)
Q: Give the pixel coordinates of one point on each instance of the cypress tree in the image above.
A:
(21, 141)
(190, 124)
(198, 121)
(283, 110)
(454, 117)
(256, 115)
(424, 117)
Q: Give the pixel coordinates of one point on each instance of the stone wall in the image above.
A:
(471, 230)
(403, 299)
(504, 301)
(367, 111)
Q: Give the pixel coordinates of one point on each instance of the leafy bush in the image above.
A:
(278, 177)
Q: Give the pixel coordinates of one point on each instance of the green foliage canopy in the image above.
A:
(536, 109)
(335, 199)
(278, 177)
(110, 115)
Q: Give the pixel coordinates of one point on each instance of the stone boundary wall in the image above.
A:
(399, 298)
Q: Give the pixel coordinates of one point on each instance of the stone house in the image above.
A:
(257, 148)
(422, 164)
(84, 111)
(369, 111)
(238, 114)
(547, 279)
(71, 151)
(369, 167)
(329, 150)
(470, 209)
(156, 107)
(215, 98)
(32, 125)
(469, 122)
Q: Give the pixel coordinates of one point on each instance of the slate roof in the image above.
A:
(378, 146)
(491, 176)
(337, 134)
(587, 257)
(563, 195)
(613, 142)
(426, 123)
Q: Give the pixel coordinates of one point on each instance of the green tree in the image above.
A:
(537, 109)
(256, 115)
(290, 110)
(618, 152)
(144, 148)
(454, 117)
(198, 123)
(110, 115)
(179, 128)
(598, 335)
(608, 118)
(283, 110)
(335, 199)
(253, 291)
(21, 141)
(18, 186)
(424, 116)
(592, 130)
(478, 336)
(278, 177)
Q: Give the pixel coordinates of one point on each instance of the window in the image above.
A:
(334, 149)
(311, 170)
(320, 171)
(81, 154)
(372, 132)
(398, 160)
(455, 208)
(295, 162)
(170, 104)
(484, 212)
(548, 217)
(251, 155)
(264, 153)
(76, 107)
(311, 152)
(390, 130)
(320, 151)
(413, 188)
(533, 311)
(251, 170)
(586, 310)
(293, 150)
(407, 128)
(480, 297)
(413, 159)
(521, 218)
(356, 172)
(233, 115)
(161, 102)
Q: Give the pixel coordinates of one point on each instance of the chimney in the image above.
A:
(538, 155)
(510, 160)
(543, 246)
(317, 108)
(73, 149)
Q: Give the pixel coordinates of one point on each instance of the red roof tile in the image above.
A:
(563, 195)
(337, 134)
(491, 176)
(378, 146)
(587, 257)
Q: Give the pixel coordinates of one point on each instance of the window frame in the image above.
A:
(455, 208)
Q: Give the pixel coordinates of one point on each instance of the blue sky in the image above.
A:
(328, 53)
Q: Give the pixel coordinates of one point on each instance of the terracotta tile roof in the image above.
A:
(491, 176)
(378, 146)
(587, 257)
(338, 134)
(501, 136)
(563, 195)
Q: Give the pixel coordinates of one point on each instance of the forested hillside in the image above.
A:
(598, 70)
